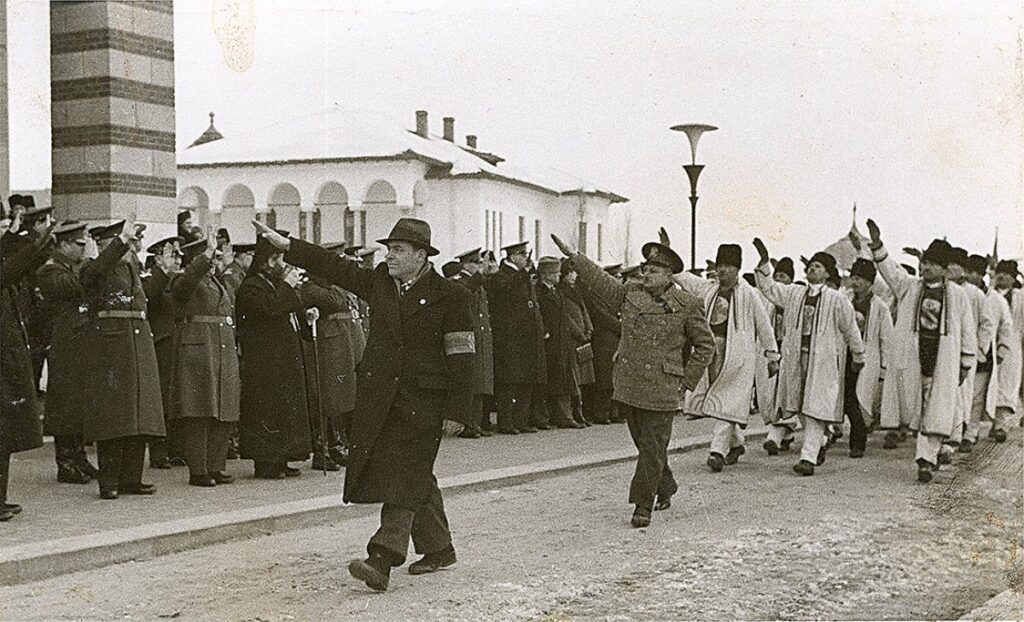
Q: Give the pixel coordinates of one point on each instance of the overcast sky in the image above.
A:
(915, 110)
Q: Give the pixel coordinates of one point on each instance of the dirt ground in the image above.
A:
(859, 540)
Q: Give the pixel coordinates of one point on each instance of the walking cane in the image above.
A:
(319, 400)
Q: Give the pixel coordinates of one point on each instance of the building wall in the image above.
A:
(5, 137)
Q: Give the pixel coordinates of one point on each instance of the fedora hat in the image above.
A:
(413, 231)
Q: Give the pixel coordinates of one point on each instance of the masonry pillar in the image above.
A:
(5, 135)
(112, 94)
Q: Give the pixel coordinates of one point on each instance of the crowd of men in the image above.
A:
(265, 352)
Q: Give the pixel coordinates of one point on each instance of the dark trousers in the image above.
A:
(514, 404)
(205, 443)
(486, 408)
(5, 475)
(560, 409)
(651, 431)
(539, 415)
(597, 402)
(851, 406)
(476, 415)
(121, 461)
(426, 526)
(69, 451)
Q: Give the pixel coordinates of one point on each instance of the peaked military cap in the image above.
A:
(473, 255)
(657, 254)
(518, 247)
(157, 247)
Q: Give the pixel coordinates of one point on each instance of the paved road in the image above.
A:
(861, 539)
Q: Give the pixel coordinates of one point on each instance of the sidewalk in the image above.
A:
(66, 527)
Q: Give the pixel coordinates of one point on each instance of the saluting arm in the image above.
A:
(330, 267)
(693, 284)
(186, 283)
(95, 272)
(25, 261)
(266, 302)
(603, 285)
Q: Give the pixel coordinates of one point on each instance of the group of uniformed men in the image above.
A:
(564, 343)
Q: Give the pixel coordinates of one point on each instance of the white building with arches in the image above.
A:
(339, 175)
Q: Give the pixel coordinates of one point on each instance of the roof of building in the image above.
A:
(211, 134)
(336, 134)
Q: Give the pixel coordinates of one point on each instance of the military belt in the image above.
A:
(124, 315)
(340, 316)
(211, 319)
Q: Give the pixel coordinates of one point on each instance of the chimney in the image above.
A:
(449, 129)
(471, 141)
(421, 124)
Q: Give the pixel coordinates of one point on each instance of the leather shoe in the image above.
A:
(966, 447)
(85, 467)
(432, 562)
(1000, 436)
(785, 444)
(529, 429)
(571, 425)
(163, 464)
(716, 462)
(734, 454)
(72, 476)
(771, 447)
(946, 456)
(137, 489)
(468, 432)
(925, 471)
(599, 422)
(291, 471)
(222, 478)
(821, 457)
(13, 508)
(804, 468)
(856, 453)
(5, 516)
(108, 493)
(203, 481)
(641, 517)
(544, 426)
(512, 431)
(271, 472)
(374, 571)
(321, 463)
(892, 440)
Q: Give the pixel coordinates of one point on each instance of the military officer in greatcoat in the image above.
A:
(235, 271)
(19, 405)
(166, 255)
(66, 391)
(561, 389)
(520, 366)
(204, 385)
(471, 277)
(417, 370)
(666, 345)
(124, 406)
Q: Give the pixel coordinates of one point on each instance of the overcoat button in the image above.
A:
(136, 331)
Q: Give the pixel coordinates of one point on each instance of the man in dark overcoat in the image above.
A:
(270, 306)
(559, 350)
(471, 277)
(666, 345)
(66, 391)
(597, 397)
(124, 406)
(416, 371)
(520, 369)
(19, 408)
(160, 310)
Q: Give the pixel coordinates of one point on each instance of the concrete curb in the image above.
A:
(41, 560)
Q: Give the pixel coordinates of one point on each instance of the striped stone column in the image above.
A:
(112, 92)
(5, 137)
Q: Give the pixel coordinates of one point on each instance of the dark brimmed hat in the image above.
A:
(243, 248)
(825, 259)
(785, 266)
(1008, 267)
(95, 230)
(193, 249)
(470, 256)
(157, 247)
(865, 269)
(549, 265)
(629, 271)
(223, 233)
(413, 231)
(334, 246)
(183, 216)
(450, 269)
(729, 255)
(938, 252)
(109, 231)
(518, 247)
(657, 254)
(977, 264)
(69, 230)
(265, 250)
(958, 256)
(22, 200)
(614, 269)
(35, 214)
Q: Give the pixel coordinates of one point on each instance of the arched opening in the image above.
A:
(333, 221)
(284, 205)
(381, 205)
(238, 208)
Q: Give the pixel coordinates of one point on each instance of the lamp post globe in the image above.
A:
(693, 132)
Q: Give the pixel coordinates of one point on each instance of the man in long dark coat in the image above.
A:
(19, 405)
(416, 371)
(471, 277)
(124, 405)
(597, 397)
(160, 310)
(520, 368)
(561, 389)
(273, 426)
(66, 391)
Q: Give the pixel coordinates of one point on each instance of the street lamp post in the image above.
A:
(693, 132)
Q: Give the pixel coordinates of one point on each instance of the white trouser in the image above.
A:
(978, 401)
(778, 433)
(928, 446)
(814, 439)
(725, 436)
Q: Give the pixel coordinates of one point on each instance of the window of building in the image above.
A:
(317, 227)
(583, 237)
(488, 240)
(501, 229)
(522, 229)
(272, 219)
(600, 242)
(303, 225)
(536, 237)
(350, 227)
